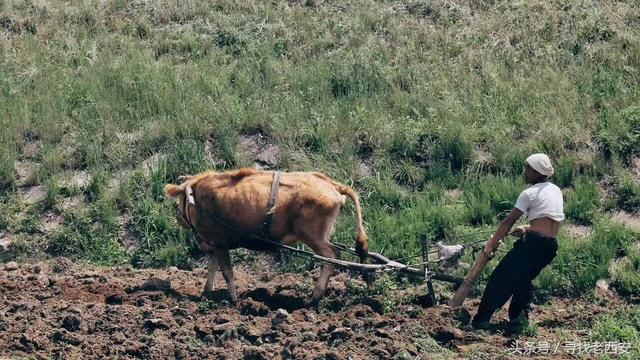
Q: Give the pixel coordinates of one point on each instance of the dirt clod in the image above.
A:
(64, 336)
(61, 264)
(255, 353)
(153, 324)
(72, 323)
(252, 307)
(155, 284)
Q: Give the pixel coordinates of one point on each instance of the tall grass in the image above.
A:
(583, 201)
(7, 174)
(490, 199)
(581, 262)
(621, 327)
(628, 193)
(625, 273)
(85, 239)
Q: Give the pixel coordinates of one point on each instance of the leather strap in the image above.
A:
(271, 205)
(188, 200)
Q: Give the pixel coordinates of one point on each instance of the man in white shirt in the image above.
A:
(543, 204)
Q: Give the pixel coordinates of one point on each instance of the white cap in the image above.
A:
(541, 164)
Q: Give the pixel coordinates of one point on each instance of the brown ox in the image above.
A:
(306, 210)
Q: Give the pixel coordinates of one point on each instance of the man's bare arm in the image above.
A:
(503, 230)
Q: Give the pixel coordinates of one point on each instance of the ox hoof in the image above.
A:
(219, 295)
(314, 304)
(233, 297)
(208, 294)
(316, 297)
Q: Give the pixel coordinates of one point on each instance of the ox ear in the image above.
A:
(172, 190)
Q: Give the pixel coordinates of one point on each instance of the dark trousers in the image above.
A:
(513, 276)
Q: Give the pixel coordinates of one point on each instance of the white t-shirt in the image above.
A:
(542, 200)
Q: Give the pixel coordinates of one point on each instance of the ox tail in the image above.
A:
(362, 240)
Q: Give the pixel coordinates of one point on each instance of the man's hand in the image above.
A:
(489, 248)
(520, 230)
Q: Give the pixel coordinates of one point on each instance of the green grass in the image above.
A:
(621, 327)
(162, 242)
(626, 275)
(490, 199)
(19, 251)
(581, 262)
(583, 201)
(7, 172)
(628, 193)
(428, 346)
(431, 96)
(84, 239)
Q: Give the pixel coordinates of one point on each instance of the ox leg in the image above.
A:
(212, 268)
(227, 273)
(325, 250)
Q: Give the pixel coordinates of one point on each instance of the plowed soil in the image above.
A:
(58, 309)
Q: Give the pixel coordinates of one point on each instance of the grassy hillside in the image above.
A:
(427, 108)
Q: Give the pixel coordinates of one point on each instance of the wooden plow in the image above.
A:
(448, 256)
(380, 263)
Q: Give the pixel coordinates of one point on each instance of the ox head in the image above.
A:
(183, 194)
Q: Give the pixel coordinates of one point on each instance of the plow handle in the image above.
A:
(467, 283)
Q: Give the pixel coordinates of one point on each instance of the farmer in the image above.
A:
(536, 248)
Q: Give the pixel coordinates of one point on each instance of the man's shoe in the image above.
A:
(522, 319)
(481, 325)
(517, 325)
